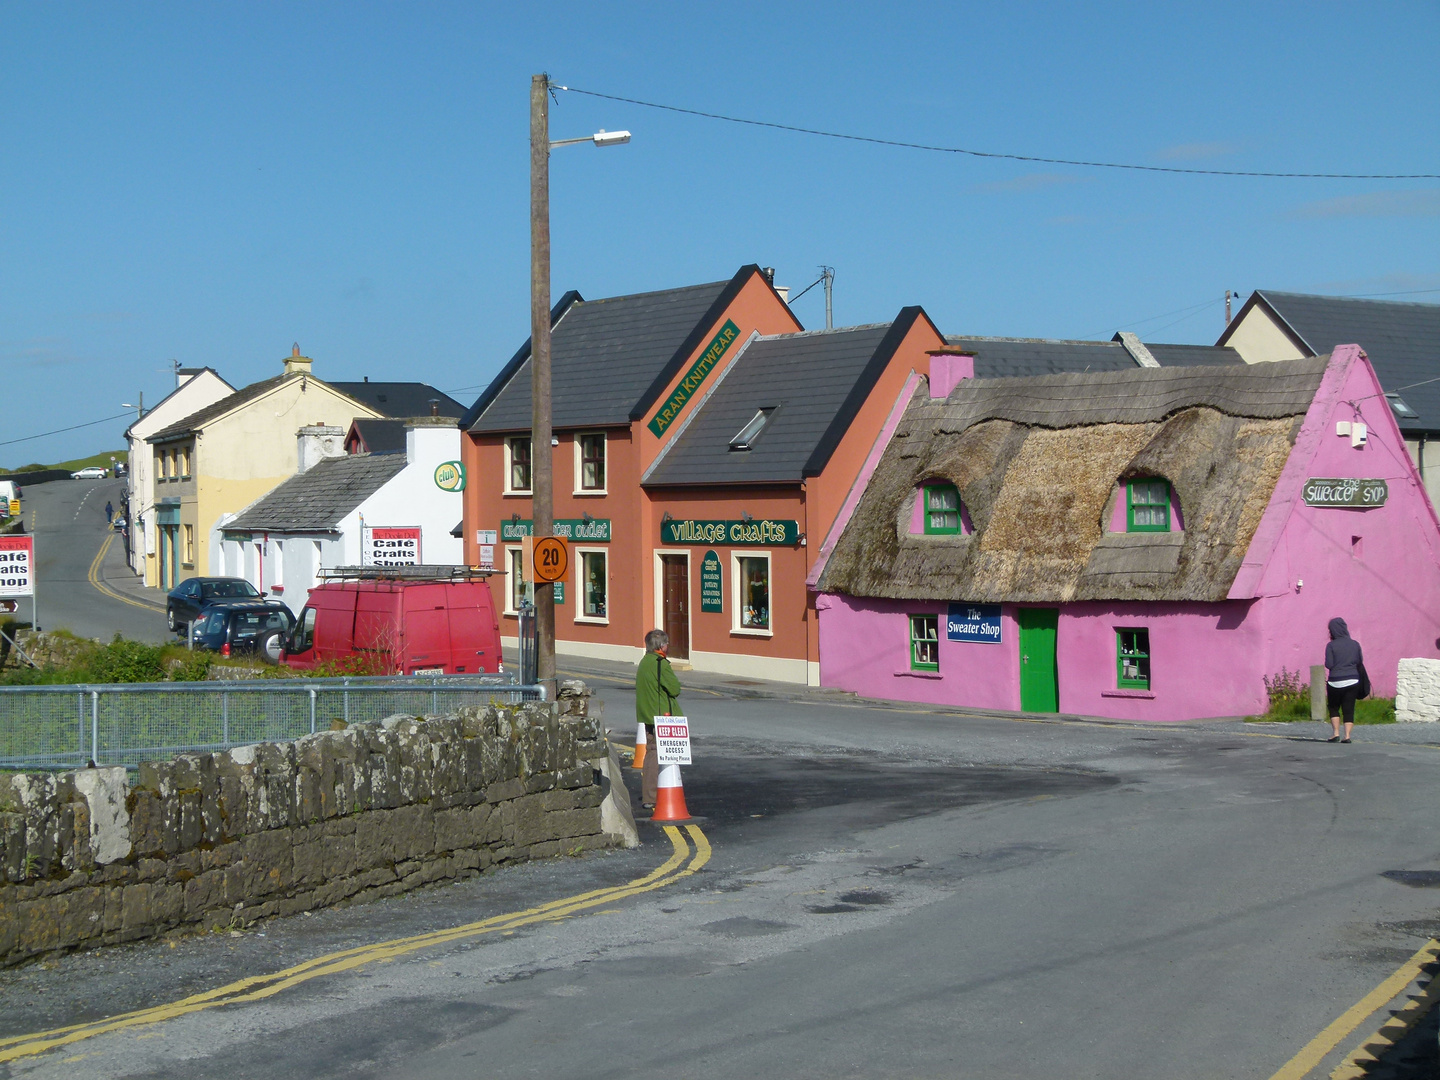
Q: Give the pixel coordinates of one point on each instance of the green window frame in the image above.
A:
(942, 509)
(1147, 505)
(1132, 659)
(925, 642)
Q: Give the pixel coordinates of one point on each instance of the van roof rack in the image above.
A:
(403, 573)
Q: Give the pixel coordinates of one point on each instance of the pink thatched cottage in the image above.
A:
(1146, 544)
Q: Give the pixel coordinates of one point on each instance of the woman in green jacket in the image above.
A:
(656, 689)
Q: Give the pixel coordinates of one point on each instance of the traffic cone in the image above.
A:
(639, 762)
(670, 797)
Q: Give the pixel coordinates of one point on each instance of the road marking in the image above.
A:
(259, 987)
(95, 579)
(1315, 1050)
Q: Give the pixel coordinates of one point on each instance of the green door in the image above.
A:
(1039, 681)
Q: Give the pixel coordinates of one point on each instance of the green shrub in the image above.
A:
(127, 662)
(1290, 701)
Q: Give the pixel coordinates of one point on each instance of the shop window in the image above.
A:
(590, 450)
(746, 437)
(1147, 506)
(516, 590)
(594, 587)
(942, 508)
(1132, 649)
(751, 601)
(175, 464)
(925, 642)
(517, 465)
(189, 545)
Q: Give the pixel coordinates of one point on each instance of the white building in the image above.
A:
(349, 510)
(195, 389)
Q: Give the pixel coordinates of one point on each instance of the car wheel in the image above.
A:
(272, 647)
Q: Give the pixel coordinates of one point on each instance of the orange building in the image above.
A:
(704, 443)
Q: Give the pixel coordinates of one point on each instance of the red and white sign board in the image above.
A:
(394, 546)
(672, 740)
(17, 566)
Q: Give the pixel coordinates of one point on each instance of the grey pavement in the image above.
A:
(893, 892)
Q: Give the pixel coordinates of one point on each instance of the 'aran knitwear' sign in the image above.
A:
(596, 530)
(694, 377)
(17, 558)
(973, 622)
(394, 546)
(755, 532)
(1346, 492)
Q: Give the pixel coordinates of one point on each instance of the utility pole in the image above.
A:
(542, 497)
(827, 273)
(1228, 294)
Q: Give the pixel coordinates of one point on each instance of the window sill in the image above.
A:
(590, 493)
(591, 620)
(1128, 693)
(517, 494)
(736, 631)
(914, 673)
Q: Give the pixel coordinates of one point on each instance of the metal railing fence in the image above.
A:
(126, 723)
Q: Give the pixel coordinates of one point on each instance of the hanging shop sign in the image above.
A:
(973, 622)
(756, 531)
(17, 561)
(694, 377)
(392, 546)
(712, 583)
(1346, 492)
(596, 530)
(450, 476)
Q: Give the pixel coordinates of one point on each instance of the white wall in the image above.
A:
(411, 498)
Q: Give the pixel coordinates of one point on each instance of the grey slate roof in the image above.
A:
(381, 436)
(805, 377)
(1402, 341)
(1007, 357)
(317, 499)
(401, 398)
(604, 356)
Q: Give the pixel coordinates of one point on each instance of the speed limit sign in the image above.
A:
(549, 560)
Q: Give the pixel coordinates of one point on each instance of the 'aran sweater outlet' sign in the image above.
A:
(694, 377)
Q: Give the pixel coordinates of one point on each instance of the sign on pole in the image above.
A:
(672, 740)
(485, 541)
(549, 559)
(17, 566)
(394, 546)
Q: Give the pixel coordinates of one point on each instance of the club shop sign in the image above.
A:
(1345, 492)
(694, 377)
(576, 530)
(757, 532)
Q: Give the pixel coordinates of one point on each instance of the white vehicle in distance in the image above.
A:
(93, 472)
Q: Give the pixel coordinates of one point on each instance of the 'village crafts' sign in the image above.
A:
(694, 377)
(576, 530)
(756, 532)
(1346, 492)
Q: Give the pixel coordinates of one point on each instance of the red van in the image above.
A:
(409, 626)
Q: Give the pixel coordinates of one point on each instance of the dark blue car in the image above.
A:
(233, 627)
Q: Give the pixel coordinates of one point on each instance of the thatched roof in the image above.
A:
(1036, 461)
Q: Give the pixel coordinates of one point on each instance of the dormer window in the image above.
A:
(1147, 505)
(942, 508)
(751, 431)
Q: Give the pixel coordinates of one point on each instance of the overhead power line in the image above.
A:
(992, 154)
(57, 431)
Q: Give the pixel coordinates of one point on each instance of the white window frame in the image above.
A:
(735, 585)
(509, 472)
(511, 576)
(579, 586)
(660, 592)
(603, 489)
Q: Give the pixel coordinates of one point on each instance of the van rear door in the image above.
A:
(427, 629)
(474, 629)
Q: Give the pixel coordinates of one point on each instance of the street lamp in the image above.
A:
(542, 495)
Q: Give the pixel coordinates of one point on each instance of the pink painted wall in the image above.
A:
(1208, 659)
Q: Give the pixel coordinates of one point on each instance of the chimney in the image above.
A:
(1136, 348)
(949, 368)
(318, 442)
(295, 364)
(434, 406)
(769, 272)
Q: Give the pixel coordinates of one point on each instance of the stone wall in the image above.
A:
(211, 841)
(1417, 690)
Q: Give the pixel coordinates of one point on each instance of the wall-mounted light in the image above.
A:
(745, 516)
(514, 519)
(585, 517)
(666, 518)
(800, 540)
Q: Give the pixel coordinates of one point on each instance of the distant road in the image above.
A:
(67, 518)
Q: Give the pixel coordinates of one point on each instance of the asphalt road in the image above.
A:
(891, 893)
(68, 520)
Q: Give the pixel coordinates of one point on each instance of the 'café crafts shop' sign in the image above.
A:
(1345, 492)
(757, 532)
(576, 530)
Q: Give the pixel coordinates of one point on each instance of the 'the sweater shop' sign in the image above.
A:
(1345, 492)
(754, 532)
(694, 377)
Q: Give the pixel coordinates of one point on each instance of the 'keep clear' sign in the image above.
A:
(973, 622)
(672, 740)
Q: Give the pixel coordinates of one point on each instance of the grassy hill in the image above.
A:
(102, 459)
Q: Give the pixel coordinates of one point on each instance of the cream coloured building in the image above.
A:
(223, 457)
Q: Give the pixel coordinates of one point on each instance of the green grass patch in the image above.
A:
(1290, 701)
(101, 459)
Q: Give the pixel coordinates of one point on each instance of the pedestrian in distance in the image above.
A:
(1346, 680)
(656, 689)
(109, 512)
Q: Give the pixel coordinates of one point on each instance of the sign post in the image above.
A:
(392, 546)
(672, 740)
(547, 559)
(17, 572)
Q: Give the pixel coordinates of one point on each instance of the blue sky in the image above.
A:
(213, 182)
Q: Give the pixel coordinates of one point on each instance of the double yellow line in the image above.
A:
(95, 579)
(680, 864)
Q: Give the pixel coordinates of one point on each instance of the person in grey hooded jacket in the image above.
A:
(1343, 662)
